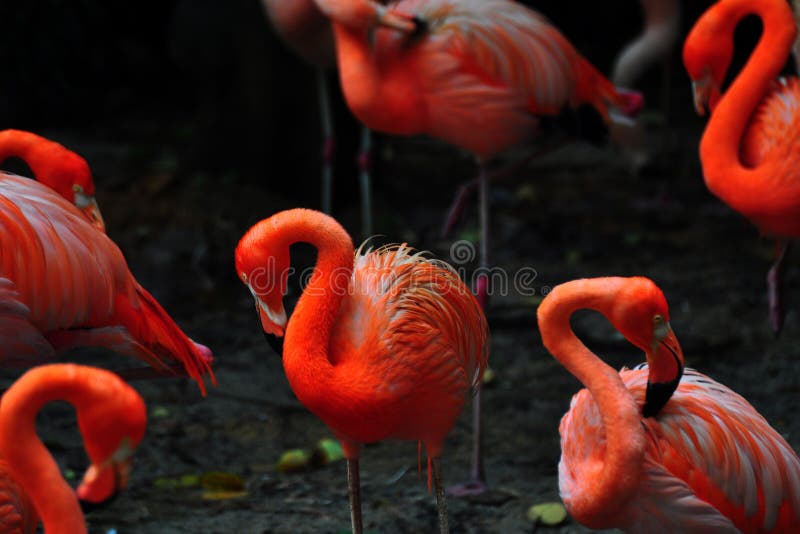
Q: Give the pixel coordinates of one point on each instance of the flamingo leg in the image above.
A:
(328, 141)
(354, 490)
(477, 483)
(775, 286)
(364, 168)
(441, 500)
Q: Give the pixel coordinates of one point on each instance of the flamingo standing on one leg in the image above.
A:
(655, 449)
(386, 344)
(475, 73)
(63, 284)
(111, 417)
(661, 27)
(304, 28)
(56, 167)
(750, 150)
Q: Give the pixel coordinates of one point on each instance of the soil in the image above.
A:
(577, 212)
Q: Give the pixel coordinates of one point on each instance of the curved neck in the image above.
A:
(16, 143)
(625, 440)
(358, 72)
(30, 463)
(308, 334)
(721, 142)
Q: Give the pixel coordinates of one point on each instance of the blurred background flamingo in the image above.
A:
(384, 344)
(749, 150)
(56, 167)
(63, 284)
(303, 27)
(474, 73)
(654, 448)
(111, 417)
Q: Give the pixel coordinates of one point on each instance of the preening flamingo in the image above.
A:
(303, 27)
(63, 284)
(56, 167)
(657, 448)
(111, 417)
(475, 73)
(383, 344)
(750, 150)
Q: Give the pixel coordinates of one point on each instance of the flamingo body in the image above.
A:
(17, 514)
(711, 462)
(474, 73)
(64, 284)
(702, 460)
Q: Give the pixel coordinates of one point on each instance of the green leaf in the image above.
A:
(550, 514)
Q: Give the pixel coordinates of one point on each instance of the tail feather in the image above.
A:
(151, 326)
(610, 101)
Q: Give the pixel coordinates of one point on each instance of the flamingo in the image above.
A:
(382, 344)
(475, 73)
(56, 167)
(662, 23)
(111, 417)
(63, 284)
(659, 448)
(749, 150)
(303, 27)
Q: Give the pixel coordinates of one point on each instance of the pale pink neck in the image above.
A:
(31, 464)
(625, 443)
(721, 142)
(308, 334)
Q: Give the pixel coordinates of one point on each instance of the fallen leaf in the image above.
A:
(549, 514)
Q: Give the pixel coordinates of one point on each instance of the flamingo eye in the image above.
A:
(244, 277)
(658, 319)
(77, 188)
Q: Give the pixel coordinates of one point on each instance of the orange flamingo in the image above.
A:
(657, 449)
(111, 417)
(749, 150)
(63, 284)
(475, 73)
(303, 27)
(56, 167)
(383, 344)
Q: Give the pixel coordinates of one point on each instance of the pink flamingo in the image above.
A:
(111, 417)
(303, 27)
(475, 73)
(383, 344)
(657, 449)
(63, 284)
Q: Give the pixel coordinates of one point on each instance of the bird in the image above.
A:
(57, 167)
(307, 32)
(749, 150)
(660, 33)
(63, 284)
(660, 448)
(382, 343)
(111, 418)
(474, 73)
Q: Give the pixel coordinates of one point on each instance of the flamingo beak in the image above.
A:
(88, 205)
(395, 20)
(272, 321)
(665, 364)
(102, 482)
(706, 94)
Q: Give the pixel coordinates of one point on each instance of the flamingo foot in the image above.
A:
(775, 288)
(468, 489)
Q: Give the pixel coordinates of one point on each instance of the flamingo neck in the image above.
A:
(625, 441)
(358, 70)
(308, 335)
(720, 146)
(15, 143)
(30, 463)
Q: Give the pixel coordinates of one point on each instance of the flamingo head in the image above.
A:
(641, 314)
(707, 54)
(365, 14)
(111, 431)
(69, 175)
(264, 269)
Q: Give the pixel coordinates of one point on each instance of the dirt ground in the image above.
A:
(575, 213)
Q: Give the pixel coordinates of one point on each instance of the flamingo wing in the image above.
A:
(413, 324)
(23, 344)
(715, 442)
(17, 514)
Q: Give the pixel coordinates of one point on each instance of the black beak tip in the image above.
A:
(87, 506)
(275, 342)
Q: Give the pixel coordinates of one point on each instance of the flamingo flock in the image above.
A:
(390, 343)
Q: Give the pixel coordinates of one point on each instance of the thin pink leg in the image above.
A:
(328, 141)
(775, 286)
